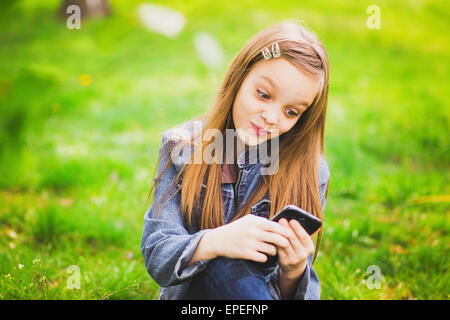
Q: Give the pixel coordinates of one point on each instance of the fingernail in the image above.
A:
(294, 222)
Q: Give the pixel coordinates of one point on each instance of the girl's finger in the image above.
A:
(275, 227)
(266, 248)
(302, 235)
(296, 248)
(273, 238)
(257, 256)
(282, 255)
(289, 233)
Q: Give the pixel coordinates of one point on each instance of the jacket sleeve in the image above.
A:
(166, 245)
(308, 287)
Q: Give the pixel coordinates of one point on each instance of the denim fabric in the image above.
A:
(230, 279)
(167, 245)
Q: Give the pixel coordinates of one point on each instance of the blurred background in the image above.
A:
(84, 100)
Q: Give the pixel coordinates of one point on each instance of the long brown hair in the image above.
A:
(296, 181)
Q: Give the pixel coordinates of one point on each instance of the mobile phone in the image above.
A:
(309, 222)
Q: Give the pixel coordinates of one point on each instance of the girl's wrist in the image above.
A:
(212, 249)
(206, 249)
(292, 275)
(288, 281)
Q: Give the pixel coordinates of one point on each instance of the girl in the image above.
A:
(206, 235)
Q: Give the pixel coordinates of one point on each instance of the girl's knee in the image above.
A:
(235, 268)
(236, 279)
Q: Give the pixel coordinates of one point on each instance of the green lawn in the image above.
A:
(76, 161)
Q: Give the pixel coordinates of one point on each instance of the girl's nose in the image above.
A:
(270, 117)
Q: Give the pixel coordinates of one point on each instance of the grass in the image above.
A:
(76, 161)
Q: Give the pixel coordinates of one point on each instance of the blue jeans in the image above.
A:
(230, 279)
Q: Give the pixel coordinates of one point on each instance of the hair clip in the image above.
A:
(275, 52)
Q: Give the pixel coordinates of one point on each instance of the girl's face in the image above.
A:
(271, 99)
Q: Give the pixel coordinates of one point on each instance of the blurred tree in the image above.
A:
(88, 8)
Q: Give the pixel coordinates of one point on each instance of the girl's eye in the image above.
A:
(292, 113)
(262, 94)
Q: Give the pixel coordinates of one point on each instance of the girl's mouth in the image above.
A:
(259, 132)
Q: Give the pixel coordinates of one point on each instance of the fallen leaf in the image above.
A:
(397, 249)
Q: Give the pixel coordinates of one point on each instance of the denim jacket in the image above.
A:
(167, 245)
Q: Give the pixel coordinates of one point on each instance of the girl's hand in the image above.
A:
(249, 238)
(292, 259)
